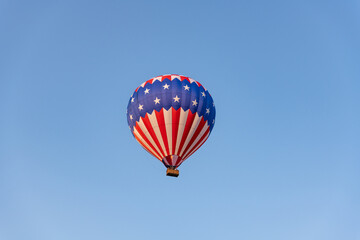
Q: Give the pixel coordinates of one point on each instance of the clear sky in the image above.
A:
(282, 162)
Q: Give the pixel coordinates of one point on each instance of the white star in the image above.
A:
(157, 100)
(213, 121)
(176, 99)
(131, 117)
(186, 87)
(146, 91)
(213, 104)
(166, 86)
(203, 94)
(140, 107)
(208, 110)
(132, 99)
(194, 102)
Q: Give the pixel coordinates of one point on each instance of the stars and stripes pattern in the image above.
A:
(171, 116)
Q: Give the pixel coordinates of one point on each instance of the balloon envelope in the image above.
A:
(171, 116)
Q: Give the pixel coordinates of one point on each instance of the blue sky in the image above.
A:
(282, 161)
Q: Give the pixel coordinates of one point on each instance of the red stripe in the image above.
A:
(166, 161)
(148, 81)
(161, 122)
(197, 144)
(148, 126)
(189, 122)
(178, 162)
(182, 78)
(198, 83)
(137, 127)
(175, 126)
(166, 77)
(175, 159)
(196, 133)
(171, 160)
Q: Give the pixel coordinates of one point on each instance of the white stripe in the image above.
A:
(191, 153)
(202, 132)
(182, 122)
(192, 80)
(168, 124)
(173, 160)
(155, 126)
(194, 126)
(143, 84)
(147, 134)
(166, 162)
(173, 76)
(176, 159)
(143, 142)
(156, 79)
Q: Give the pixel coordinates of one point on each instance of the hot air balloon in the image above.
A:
(171, 116)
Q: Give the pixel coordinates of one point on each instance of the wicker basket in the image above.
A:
(172, 172)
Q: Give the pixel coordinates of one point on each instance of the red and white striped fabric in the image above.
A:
(171, 117)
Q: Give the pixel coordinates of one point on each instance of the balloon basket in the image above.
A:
(172, 172)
